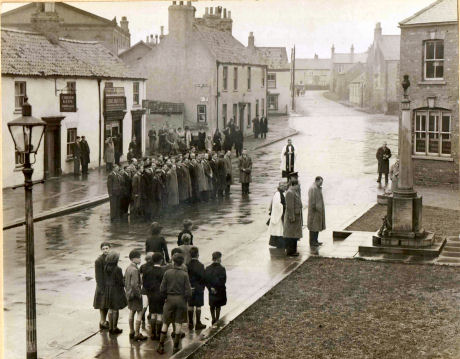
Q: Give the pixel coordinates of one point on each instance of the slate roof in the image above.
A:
(390, 46)
(275, 57)
(439, 11)
(140, 43)
(345, 58)
(32, 54)
(313, 64)
(225, 48)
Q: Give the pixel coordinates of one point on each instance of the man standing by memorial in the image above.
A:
(288, 157)
(316, 221)
(383, 157)
(84, 147)
(293, 220)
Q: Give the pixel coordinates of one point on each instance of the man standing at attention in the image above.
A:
(245, 166)
(383, 157)
(316, 212)
(293, 221)
(288, 157)
(76, 156)
(84, 147)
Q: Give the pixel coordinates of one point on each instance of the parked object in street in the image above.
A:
(316, 221)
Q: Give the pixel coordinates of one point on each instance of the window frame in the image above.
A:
(69, 146)
(224, 114)
(235, 79)
(249, 72)
(422, 132)
(225, 78)
(71, 87)
(19, 159)
(199, 113)
(277, 100)
(434, 60)
(19, 96)
(270, 74)
(249, 115)
(136, 93)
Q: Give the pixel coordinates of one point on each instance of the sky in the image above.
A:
(311, 25)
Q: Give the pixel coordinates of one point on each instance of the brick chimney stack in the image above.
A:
(180, 20)
(124, 24)
(377, 33)
(46, 21)
(352, 53)
(251, 40)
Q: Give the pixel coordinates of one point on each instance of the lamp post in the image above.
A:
(27, 132)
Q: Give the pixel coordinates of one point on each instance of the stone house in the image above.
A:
(278, 79)
(341, 63)
(89, 92)
(200, 64)
(383, 73)
(343, 80)
(313, 74)
(429, 55)
(356, 90)
(73, 23)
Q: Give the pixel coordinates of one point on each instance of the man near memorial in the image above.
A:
(316, 221)
(288, 157)
(383, 157)
(245, 167)
(293, 220)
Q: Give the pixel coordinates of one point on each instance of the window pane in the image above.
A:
(429, 70)
(445, 124)
(433, 146)
(420, 144)
(439, 73)
(439, 49)
(446, 149)
(429, 50)
(433, 123)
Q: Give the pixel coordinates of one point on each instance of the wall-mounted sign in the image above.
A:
(68, 102)
(114, 91)
(114, 103)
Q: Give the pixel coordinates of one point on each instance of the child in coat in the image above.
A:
(99, 300)
(216, 278)
(197, 282)
(115, 296)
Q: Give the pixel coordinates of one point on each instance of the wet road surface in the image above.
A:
(336, 142)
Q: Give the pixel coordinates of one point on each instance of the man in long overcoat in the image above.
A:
(245, 167)
(316, 213)
(172, 185)
(221, 175)
(238, 139)
(76, 156)
(263, 127)
(99, 295)
(383, 157)
(228, 172)
(256, 127)
(84, 155)
(293, 218)
(114, 187)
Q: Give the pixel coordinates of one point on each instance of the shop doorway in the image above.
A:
(52, 147)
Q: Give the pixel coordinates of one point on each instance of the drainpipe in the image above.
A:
(217, 97)
(100, 119)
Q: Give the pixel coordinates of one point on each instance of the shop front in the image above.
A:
(114, 113)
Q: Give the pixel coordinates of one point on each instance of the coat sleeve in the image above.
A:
(290, 206)
(165, 250)
(389, 153)
(188, 288)
(276, 209)
(223, 277)
(99, 272)
(163, 286)
(311, 200)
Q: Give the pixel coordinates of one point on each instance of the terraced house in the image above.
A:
(200, 64)
(429, 55)
(77, 87)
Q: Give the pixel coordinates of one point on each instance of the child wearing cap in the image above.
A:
(176, 288)
(197, 282)
(216, 277)
(134, 296)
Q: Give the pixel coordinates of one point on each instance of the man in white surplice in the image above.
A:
(288, 157)
(277, 208)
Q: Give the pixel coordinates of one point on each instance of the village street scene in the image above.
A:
(258, 179)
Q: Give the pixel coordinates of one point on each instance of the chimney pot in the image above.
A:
(206, 11)
(189, 3)
(211, 10)
(174, 3)
(229, 14)
(162, 28)
(225, 13)
(156, 39)
(147, 39)
(181, 2)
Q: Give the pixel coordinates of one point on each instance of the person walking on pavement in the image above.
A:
(134, 296)
(76, 156)
(109, 154)
(176, 288)
(383, 157)
(84, 155)
(316, 221)
(256, 127)
(115, 296)
(245, 167)
(277, 211)
(263, 127)
(293, 218)
(216, 278)
(196, 275)
(114, 188)
(288, 157)
(99, 296)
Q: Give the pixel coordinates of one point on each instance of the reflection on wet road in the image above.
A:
(334, 141)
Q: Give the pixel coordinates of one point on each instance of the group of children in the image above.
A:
(174, 288)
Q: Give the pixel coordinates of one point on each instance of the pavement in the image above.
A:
(342, 150)
(69, 193)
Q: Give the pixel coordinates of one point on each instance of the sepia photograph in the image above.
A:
(230, 179)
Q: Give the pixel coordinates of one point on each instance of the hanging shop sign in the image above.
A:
(68, 102)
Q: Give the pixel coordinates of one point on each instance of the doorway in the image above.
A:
(52, 147)
(137, 132)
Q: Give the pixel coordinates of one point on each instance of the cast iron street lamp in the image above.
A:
(27, 132)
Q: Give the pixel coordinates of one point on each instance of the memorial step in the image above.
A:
(450, 254)
(448, 260)
(449, 247)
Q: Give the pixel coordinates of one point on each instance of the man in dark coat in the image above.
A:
(118, 149)
(256, 127)
(293, 220)
(221, 175)
(99, 299)
(114, 188)
(197, 282)
(84, 155)
(245, 167)
(125, 190)
(238, 138)
(146, 191)
(263, 127)
(212, 159)
(76, 156)
(316, 221)
(152, 139)
(383, 157)
(216, 278)
(157, 243)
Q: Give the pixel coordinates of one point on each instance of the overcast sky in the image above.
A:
(312, 25)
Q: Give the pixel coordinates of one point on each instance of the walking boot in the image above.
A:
(190, 319)
(199, 325)
(177, 340)
(139, 337)
(131, 328)
(161, 345)
(158, 331)
(153, 329)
